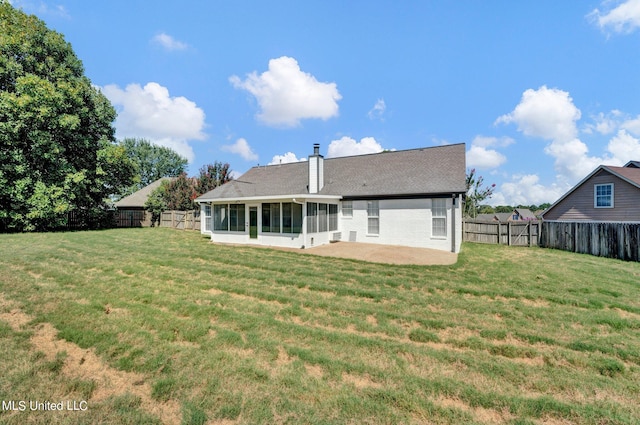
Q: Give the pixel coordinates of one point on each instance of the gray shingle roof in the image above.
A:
(137, 199)
(433, 170)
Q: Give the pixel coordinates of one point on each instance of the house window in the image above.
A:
(322, 217)
(291, 218)
(373, 218)
(220, 217)
(236, 218)
(439, 217)
(333, 217)
(228, 217)
(603, 195)
(312, 217)
(347, 208)
(271, 218)
(207, 218)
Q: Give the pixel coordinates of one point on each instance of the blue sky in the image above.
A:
(540, 91)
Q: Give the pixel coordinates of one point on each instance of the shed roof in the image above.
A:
(433, 170)
(138, 199)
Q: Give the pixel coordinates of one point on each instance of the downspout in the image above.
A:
(453, 222)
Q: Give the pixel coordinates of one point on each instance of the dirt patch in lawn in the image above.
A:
(86, 365)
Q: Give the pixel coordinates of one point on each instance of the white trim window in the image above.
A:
(347, 208)
(373, 218)
(439, 218)
(220, 217)
(207, 218)
(603, 195)
(228, 218)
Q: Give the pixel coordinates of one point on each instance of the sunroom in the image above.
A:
(296, 222)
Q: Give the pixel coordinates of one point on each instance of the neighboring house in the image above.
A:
(522, 214)
(607, 194)
(517, 215)
(131, 210)
(410, 197)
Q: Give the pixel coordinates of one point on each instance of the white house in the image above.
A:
(411, 197)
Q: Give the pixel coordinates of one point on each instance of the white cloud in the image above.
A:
(479, 156)
(623, 18)
(526, 190)
(605, 123)
(485, 141)
(377, 112)
(150, 112)
(546, 113)
(41, 8)
(632, 125)
(235, 174)
(286, 158)
(287, 95)
(624, 148)
(346, 146)
(168, 42)
(550, 114)
(572, 160)
(242, 148)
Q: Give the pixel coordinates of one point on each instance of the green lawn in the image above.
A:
(221, 334)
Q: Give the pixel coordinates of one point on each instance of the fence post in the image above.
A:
(509, 233)
(530, 225)
(499, 234)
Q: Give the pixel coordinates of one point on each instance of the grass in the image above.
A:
(222, 334)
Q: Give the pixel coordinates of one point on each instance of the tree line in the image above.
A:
(477, 192)
(58, 152)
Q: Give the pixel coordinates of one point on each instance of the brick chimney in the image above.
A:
(316, 170)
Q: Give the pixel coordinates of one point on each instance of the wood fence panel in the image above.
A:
(613, 240)
(131, 218)
(524, 233)
(183, 220)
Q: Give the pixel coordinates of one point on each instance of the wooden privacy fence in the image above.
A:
(521, 233)
(613, 240)
(131, 218)
(183, 220)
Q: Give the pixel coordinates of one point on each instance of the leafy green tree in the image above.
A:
(157, 202)
(486, 209)
(55, 131)
(180, 193)
(212, 176)
(152, 161)
(476, 193)
(504, 209)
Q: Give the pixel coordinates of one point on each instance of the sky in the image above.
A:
(540, 91)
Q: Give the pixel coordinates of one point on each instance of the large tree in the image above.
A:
(153, 162)
(179, 193)
(211, 176)
(476, 193)
(56, 135)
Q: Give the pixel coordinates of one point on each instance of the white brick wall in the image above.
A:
(402, 222)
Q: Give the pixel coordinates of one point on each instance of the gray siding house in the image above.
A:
(610, 194)
(411, 198)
